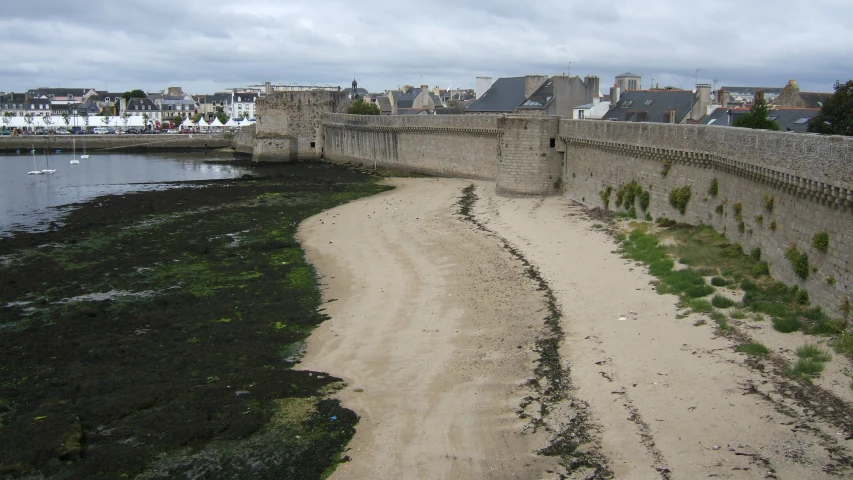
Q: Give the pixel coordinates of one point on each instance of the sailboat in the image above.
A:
(47, 170)
(85, 155)
(34, 171)
(74, 160)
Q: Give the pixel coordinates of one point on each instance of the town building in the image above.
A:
(659, 106)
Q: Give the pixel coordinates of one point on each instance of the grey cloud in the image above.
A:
(206, 45)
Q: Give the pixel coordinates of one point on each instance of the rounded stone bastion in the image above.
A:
(529, 163)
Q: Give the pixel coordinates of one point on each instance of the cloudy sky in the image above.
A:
(210, 45)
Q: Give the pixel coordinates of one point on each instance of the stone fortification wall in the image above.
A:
(458, 146)
(789, 187)
(115, 143)
(289, 124)
(529, 162)
(243, 140)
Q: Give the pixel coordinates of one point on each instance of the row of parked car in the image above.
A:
(95, 131)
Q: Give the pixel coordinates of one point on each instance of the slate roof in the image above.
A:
(628, 74)
(407, 99)
(411, 111)
(144, 104)
(815, 99)
(57, 92)
(100, 95)
(789, 119)
(539, 99)
(384, 104)
(651, 106)
(505, 95)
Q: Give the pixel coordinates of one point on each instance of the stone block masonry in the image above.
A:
(460, 146)
(789, 187)
(289, 124)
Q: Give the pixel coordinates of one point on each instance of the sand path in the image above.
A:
(430, 314)
(435, 322)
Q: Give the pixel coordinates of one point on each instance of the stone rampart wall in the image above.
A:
(807, 177)
(458, 146)
(116, 143)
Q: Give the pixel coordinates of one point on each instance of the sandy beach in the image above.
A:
(434, 323)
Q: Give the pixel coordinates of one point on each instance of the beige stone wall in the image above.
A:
(243, 140)
(458, 146)
(289, 124)
(808, 177)
(529, 165)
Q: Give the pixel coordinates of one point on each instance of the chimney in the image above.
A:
(723, 98)
(592, 85)
(703, 100)
(532, 83)
(425, 96)
(614, 95)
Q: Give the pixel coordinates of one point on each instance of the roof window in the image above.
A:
(649, 101)
(627, 103)
(801, 121)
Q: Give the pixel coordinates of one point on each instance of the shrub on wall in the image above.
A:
(821, 241)
(680, 197)
(605, 196)
(768, 202)
(644, 200)
(720, 209)
(714, 188)
(799, 261)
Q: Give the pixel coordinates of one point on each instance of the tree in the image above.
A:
(48, 120)
(757, 117)
(65, 118)
(134, 94)
(836, 115)
(196, 117)
(145, 120)
(7, 118)
(105, 120)
(360, 107)
(107, 111)
(177, 120)
(28, 118)
(85, 116)
(222, 117)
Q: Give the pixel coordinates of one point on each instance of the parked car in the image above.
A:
(133, 131)
(62, 131)
(172, 130)
(186, 130)
(77, 131)
(5, 132)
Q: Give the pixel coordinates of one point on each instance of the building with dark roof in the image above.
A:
(789, 119)
(142, 107)
(559, 95)
(504, 96)
(411, 98)
(660, 106)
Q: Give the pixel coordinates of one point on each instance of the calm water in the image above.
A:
(28, 202)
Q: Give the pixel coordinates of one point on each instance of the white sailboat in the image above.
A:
(34, 171)
(47, 170)
(74, 160)
(85, 155)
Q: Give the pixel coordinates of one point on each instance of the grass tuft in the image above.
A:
(720, 301)
(753, 348)
(815, 352)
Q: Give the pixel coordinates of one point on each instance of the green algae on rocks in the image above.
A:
(153, 335)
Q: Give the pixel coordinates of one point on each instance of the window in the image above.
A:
(801, 121)
(772, 118)
(581, 114)
(627, 103)
(649, 101)
(313, 144)
(552, 142)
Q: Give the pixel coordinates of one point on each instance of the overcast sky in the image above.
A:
(209, 45)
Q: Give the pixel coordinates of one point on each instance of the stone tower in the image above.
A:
(353, 94)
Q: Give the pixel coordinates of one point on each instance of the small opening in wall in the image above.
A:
(552, 142)
(313, 144)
